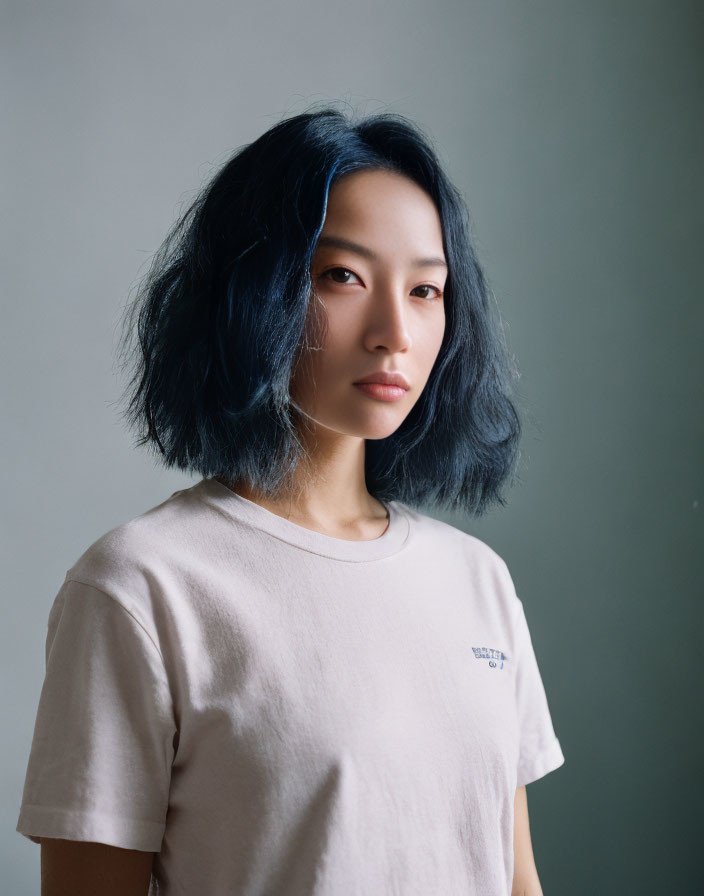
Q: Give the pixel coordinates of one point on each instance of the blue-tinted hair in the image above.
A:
(221, 314)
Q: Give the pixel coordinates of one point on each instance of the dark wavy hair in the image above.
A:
(221, 314)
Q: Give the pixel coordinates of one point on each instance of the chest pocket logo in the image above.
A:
(488, 653)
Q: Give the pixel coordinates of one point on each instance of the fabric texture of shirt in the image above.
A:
(276, 712)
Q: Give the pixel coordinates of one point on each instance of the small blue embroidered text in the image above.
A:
(490, 654)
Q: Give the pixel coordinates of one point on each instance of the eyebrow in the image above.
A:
(338, 242)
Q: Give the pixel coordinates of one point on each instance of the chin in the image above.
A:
(377, 430)
(376, 423)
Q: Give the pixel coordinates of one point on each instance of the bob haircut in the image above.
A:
(221, 320)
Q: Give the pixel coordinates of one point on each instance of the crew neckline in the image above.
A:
(245, 511)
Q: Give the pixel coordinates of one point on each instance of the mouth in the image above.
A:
(381, 391)
(386, 378)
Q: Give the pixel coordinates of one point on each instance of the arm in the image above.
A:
(80, 868)
(525, 874)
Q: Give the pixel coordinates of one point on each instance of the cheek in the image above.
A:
(427, 339)
(328, 343)
(337, 333)
(336, 340)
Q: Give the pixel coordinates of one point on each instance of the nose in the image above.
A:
(387, 325)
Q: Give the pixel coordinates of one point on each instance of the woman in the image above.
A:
(286, 678)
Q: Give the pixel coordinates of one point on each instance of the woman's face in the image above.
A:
(381, 297)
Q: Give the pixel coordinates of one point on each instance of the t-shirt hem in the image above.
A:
(129, 833)
(546, 761)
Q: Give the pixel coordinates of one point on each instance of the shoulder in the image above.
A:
(486, 568)
(136, 558)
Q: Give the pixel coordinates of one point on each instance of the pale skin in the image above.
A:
(382, 312)
(385, 312)
(525, 875)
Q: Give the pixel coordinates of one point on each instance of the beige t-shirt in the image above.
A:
(276, 711)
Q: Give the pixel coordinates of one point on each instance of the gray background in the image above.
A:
(574, 131)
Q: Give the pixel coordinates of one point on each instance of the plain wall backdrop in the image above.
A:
(574, 130)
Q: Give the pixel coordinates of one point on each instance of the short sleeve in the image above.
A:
(540, 750)
(104, 737)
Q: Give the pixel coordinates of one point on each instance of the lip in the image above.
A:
(385, 378)
(381, 391)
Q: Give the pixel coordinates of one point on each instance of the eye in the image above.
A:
(347, 272)
(344, 271)
(438, 295)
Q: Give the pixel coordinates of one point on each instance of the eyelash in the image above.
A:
(422, 286)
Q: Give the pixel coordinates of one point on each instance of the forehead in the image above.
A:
(383, 206)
